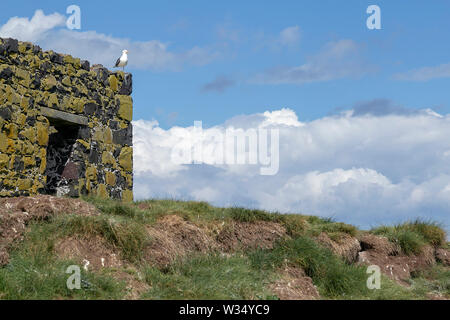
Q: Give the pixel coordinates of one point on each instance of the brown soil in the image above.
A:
(345, 246)
(443, 256)
(15, 213)
(173, 237)
(93, 253)
(294, 285)
(378, 243)
(135, 287)
(250, 235)
(379, 251)
(144, 206)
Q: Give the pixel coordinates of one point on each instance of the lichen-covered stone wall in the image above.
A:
(65, 127)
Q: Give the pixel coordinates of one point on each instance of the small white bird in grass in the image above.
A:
(123, 60)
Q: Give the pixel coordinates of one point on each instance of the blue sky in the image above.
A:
(363, 115)
(243, 35)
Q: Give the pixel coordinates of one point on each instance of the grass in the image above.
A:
(127, 235)
(412, 236)
(209, 276)
(332, 276)
(435, 280)
(35, 272)
(251, 215)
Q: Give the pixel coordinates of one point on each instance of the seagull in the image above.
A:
(123, 60)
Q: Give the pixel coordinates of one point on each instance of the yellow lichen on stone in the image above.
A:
(21, 119)
(113, 83)
(107, 135)
(66, 81)
(11, 130)
(126, 158)
(84, 143)
(110, 178)
(43, 157)
(107, 158)
(91, 173)
(49, 83)
(24, 184)
(52, 101)
(3, 142)
(42, 134)
(125, 107)
(102, 192)
(29, 162)
(4, 159)
(127, 196)
(30, 134)
(28, 148)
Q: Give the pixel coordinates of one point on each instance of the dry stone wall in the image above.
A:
(65, 126)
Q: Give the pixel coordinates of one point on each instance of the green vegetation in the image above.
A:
(412, 236)
(332, 276)
(35, 271)
(209, 276)
(125, 234)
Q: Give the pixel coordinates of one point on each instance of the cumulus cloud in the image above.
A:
(338, 59)
(219, 84)
(364, 169)
(101, 48)
(31, 29)
(425, 73)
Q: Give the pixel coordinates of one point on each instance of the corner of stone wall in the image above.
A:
(46, 97)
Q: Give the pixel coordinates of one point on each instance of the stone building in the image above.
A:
(65, 127)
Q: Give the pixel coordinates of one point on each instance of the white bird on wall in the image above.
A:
(122, 61)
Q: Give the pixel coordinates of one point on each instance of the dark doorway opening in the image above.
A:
(60, 146)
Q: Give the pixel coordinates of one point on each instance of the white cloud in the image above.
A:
(339, 59)
(425, 73)
(31, 29)
(290, 36)
(101, 48)
(364, 169)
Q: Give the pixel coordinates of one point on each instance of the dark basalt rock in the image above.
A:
(5, 113)
(127, 85)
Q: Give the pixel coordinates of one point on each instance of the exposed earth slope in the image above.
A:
(165, 249)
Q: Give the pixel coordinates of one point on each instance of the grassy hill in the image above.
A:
(165, 249)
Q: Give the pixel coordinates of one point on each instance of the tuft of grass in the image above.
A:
(318, 225)
(27, 278)
(115, 207)
(435, 280)
(127, 235)
(339, 227)
(295, 224)
(208, 277)
(251, 215)
(431, 231)
(34, 272)
(330, 274)
(412, 236)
